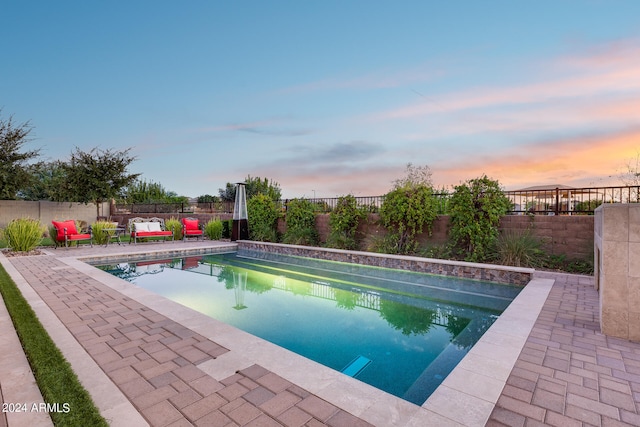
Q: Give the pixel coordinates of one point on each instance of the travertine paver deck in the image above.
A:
(153, 359)
(567, 374)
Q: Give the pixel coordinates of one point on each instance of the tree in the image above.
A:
(141, 191)
(45, 180)
(343, 223)
(14, 173)
(263, 218)
(475, 211)
(405, 212)
(95, 176)
(631, 175)
(207, 198)
(253, 186)
(414, 176)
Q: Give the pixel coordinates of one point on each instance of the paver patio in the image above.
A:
(154, 369)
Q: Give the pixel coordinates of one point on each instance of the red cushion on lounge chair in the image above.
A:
(190, 224)
(70, 225)
(78, 237)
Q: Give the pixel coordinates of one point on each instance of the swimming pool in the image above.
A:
(399, 331)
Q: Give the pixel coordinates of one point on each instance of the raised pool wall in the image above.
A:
(486, 272)
(617, 269)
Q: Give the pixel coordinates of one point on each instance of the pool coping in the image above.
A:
(466, 397)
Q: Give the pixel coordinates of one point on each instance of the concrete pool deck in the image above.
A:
(149, 361)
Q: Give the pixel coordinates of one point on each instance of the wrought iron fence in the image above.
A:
(567, 200)
(553, 201)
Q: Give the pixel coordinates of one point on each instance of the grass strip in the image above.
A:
(56, 380)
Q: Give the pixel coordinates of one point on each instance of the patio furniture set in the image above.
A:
(67, 232)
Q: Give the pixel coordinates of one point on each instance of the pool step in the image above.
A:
(356, 366)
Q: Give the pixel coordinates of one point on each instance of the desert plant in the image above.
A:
(23, 234)
(213, 229)
(174, 224)
(343, 221)
(301, 223)
(263, 217)
(100, 236)
(519, 249)
(475, 210)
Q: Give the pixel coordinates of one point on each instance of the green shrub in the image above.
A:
(263, 217)
(576, 266)
(475, 210)
(301, 223)
(23, 234)
(213, 229)
(227, 228)
(343, 223)
(101, 237)
(174, 224)
(405, 212)
(519, 249)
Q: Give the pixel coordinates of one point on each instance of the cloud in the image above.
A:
(268, 127)
(383, 79)
(331, 155)
(593, 74)
(587, 160)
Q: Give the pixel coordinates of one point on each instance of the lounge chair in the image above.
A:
(66, 232)
(191, 228)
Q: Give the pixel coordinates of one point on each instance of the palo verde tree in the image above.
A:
(95, 176)
(475, 210)
(14, 161)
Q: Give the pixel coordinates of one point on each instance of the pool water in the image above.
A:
(399, 331)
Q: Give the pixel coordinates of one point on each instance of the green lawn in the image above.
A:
(56, 380)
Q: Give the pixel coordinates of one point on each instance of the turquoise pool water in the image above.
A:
(399, 331)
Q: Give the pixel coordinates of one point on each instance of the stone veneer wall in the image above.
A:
(488, 272)
(617, 269)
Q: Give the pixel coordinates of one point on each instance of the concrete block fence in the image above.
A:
(569, 235)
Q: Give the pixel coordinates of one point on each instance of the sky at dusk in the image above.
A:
(329, 98)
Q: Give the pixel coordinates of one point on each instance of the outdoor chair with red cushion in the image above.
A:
(191, 228)
(66, 232)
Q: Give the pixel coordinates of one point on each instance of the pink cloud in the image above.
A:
(591, 75)
(556, 161)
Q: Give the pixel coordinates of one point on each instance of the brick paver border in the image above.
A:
(153, 359)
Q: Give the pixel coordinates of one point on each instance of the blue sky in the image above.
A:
(331, 97)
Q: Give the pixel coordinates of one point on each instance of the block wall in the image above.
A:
(569, 235)
(45, 211)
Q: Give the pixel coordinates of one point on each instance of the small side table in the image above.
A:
(114, 232)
